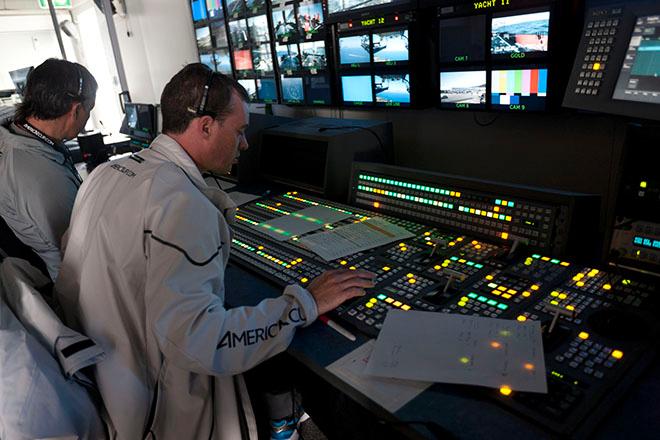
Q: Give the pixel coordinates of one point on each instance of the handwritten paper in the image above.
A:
(460, 349)
(353, 238)
(300, 222)
(389, 393)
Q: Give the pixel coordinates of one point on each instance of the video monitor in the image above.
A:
(292, 90)
(520, 35)
(255, 6)
(313, 55)
(203, 36)
(262, 58)
(390, 47)
(258, 29)
(215, 9)
(639, 78)
(19, 78)
(310, 19)
(222, 61)
(463, 39)
(463, 89)
(342, 6)
(140, 121)
(267, 90)
(198, 10)
(219, 34)
(356, 89)
(354, 50)
(242, 59)
(250, 87)
(238, 33)
(288, 57)
(284, 24)
(208, 59)
(519, 89)
(317, 90)
(235, 8)
(392, 89)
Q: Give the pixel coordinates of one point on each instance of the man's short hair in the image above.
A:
(182, 96)
(52, 87)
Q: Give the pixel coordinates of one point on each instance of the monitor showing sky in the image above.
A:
(520, 33)
(467, 87)
(390, 46)
(354, 50)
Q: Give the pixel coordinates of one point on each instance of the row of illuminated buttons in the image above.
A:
(596, 24)
(388, 300)
(410, 185)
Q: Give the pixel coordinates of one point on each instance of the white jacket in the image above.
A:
(143, 275)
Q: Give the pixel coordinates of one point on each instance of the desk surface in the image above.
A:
(462, 411)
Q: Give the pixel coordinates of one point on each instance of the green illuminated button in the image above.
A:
(502, 306)
(472, 295)
(491, 302)
(382, 297)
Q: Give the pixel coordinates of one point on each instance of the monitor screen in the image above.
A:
(465, 89)
(512, 35)
(288, 57)
(19, 78)
(208, 59)
(267, 90)
(292, 90)
(262, 58)
(140, 120)
(275, 160)
(341, 6)
(198, 9)
(222, 61)
(318, 90)
(639, 78)
(392, 89)
(258, 29)
(390, 47)
(242, 59)
(250, 86)
(310, 18)
(219, 34)
(235, 8)
(354, 50)
(462, 39)
(215, 9)
(238, 33)
(203, 36)
(357, 89)
(313, 55)
(519, 89)
(284, 23)
(255, 6)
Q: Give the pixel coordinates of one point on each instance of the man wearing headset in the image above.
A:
(143, 275)
(38, 180)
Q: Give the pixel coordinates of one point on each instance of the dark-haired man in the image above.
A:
(143, 275)
(38, 180)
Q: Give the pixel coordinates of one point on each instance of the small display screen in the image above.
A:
(520, 89)
(339, 6)
(238, 33)
(203, 36)
(392, 89)
(215, 9)
(140, 120)
(465, 89)
(284, 23)
(267, 90)
(639, 79)
(520, 34)
(356, 89)
(262, 58)
(288, 57)
(292, 90)
(222, 61)
(235, 8)
(313, 55)
(462, 39)
(198, 10)
(310, 18)
(258, 29)
(318, 90)
(242, 59)
(389, 47)
(219, 34)
(255, 6)
(354, 50)
(250, 86)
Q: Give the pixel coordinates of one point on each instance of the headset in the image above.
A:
(78, 95)
(201, 109)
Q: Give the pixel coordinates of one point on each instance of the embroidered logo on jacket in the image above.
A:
(261, 334)
(123, 170)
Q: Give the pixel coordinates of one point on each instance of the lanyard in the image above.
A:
(48, 141)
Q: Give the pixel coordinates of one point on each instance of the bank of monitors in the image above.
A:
(339, 10)
(498, 59)
(211, 34)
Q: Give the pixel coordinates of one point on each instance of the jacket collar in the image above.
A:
(21, 138)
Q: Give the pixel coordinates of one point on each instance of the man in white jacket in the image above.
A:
(143, 275)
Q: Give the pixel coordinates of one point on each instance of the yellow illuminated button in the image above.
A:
(386, 268)
(505, 390)
(607, 286)
(373, 300)
(405, 307)
(580, 283)
(462, 303)
(526, 294)
(617, 354)
(412, 281)
(260, 247)
(427, 233)
(489, 277)
(562, 296)
(506, 296)
(596, 66)
(343, 262)
(389, 300)
(299, 260)
(397, 303)
(521, 318)
(534, 287)
(437, 267)
(410, 275)
(570, 307)
(369, 305)
(642, 184)
(402, 244)
(505, 235)
(352, 268)
(303, 280)
(376, 205)
(583, 335)
(404, 249)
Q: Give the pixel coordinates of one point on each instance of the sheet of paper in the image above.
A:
(353, 238)
(241, 198)
(389, 393)
(461, 349)
(300, 222)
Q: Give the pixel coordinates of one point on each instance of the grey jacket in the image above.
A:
(143, 275)
(37, 191)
